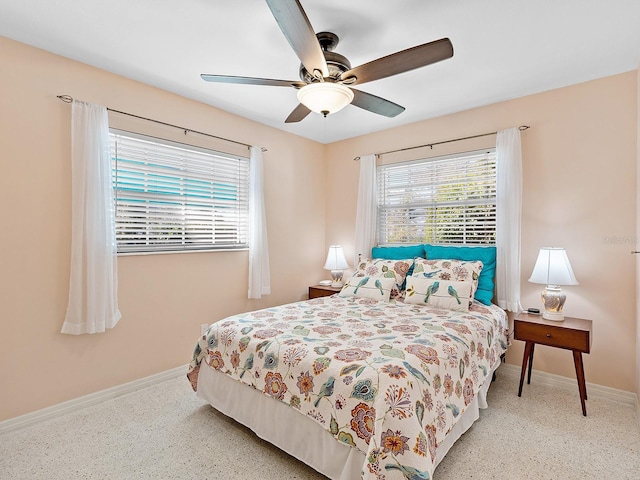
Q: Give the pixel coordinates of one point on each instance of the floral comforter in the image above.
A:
(390, 379)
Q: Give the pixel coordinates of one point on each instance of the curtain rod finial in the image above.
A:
(65, 98)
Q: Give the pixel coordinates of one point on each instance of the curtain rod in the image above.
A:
(430, 145)
(69, 99)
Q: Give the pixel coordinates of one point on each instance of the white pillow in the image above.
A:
(454, 296)
(378, 288)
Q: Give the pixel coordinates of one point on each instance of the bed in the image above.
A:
(378, 381)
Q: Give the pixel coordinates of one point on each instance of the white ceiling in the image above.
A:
(503, 49)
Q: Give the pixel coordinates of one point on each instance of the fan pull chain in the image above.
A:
(324, 120)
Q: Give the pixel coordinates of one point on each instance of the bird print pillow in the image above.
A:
(378, 288)
(396, 269)
(449, 270)
(454, 296)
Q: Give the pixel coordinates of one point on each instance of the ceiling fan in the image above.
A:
(326, 76)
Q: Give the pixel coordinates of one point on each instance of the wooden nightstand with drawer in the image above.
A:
(322, 291)
(571, 334)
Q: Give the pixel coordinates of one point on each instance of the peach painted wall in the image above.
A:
(579, 184)
(163, 298)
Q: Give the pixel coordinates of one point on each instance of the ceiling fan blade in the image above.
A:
(298, 31)
(299, 113)
(375, 104)
(400, 62)
(252, 81)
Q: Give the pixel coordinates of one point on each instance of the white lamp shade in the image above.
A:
(336, 259)
(325, 97)
(553, 268)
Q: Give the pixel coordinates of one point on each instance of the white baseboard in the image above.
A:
(88, 400)
(565, 383)
(550, 379)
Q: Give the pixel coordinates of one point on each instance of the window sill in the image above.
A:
(173, 252)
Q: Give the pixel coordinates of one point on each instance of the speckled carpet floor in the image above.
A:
(165, 432)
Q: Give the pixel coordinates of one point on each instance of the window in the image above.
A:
(175, 197)
(439, 200)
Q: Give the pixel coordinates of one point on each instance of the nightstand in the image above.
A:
(322, 291)
(571, 334)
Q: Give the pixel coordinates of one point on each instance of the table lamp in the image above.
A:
(336, 262)
(553, 269)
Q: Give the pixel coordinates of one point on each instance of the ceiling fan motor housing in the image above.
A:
(336, 63)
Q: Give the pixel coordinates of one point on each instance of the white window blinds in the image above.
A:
(175, 197)
(440, 200)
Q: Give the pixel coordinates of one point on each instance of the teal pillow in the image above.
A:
(487, 255)
(397, 253)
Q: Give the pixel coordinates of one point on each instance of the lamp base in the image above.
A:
(336, 278)
(553, 298)
(556, 317)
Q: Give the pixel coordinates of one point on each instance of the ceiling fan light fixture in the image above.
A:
(324, 97)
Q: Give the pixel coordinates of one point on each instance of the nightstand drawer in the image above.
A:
(317, 291)
(560, 336)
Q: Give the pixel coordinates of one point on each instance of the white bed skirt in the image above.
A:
(302, 437)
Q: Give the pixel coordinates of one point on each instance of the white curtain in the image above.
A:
(508, 218)
(93, 286)
(259, 276)
(367, 208)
